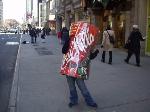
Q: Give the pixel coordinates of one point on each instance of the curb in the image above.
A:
(14, 89)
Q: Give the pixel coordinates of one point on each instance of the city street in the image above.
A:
(106, 47)
(38, 86)
(9, 44)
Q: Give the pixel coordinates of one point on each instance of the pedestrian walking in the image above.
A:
(108, 43)
(59, 35)
(37, 32)
(32, 33)
(134, 45)
(64, 35)
(43, 35)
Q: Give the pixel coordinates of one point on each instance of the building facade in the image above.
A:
(29, 10)
(120, 14)
(50, 16)
(1, 13)
(34, 13)
(147, 50)
(38, 13)
(42, 14)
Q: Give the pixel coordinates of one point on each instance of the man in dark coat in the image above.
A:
(32, 33)
(65, 35)
(134, 45)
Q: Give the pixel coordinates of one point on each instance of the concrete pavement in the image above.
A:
(38, 86)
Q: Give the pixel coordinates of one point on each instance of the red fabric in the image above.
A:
(59, 34)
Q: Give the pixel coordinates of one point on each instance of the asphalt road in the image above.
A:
(9, 44)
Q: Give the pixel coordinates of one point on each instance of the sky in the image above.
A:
(14, 9)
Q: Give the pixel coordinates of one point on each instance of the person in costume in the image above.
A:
(80, 82)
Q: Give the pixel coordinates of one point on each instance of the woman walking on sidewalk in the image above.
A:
(107, 45)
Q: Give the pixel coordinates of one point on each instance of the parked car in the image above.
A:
(13, 30)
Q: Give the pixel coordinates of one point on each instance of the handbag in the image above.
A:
(42, 36)
(127, 44)
(111, 38)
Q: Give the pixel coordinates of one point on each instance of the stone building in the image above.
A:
(120, 14)
(1, 13)
(147, 49)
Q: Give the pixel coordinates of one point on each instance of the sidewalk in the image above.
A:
(38, 86)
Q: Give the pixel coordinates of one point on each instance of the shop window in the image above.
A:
(81, 16)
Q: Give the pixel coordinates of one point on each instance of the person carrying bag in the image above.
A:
(111, 38)
(108, 43)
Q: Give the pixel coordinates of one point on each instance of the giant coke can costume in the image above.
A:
(83, 39)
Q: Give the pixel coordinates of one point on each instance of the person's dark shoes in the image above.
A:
(110, 63)
(102, 61)
(72, 104)
(102, 46)
(125, 60)
(138, 65)
(93, 105)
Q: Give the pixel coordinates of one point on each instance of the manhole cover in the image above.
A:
(43, 51)
(41, 48)
(35, 45)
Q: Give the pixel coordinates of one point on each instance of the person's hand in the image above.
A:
(96, 51)
(144, 37)
(102, 46)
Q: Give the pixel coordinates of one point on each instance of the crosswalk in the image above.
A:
(12, 43)
(9, 39)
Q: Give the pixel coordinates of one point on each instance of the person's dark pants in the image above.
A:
(110, 56)
(35, 39)
(137, 56)
(73, 92)
(32, 39)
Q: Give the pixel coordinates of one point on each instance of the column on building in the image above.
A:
(76, 16)
(1, 13)
(67, 19)
(127, 25)
(58, 23)
(148, 30)
(139, 14)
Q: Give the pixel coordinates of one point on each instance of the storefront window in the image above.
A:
(81, 16)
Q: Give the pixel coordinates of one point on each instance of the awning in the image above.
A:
(105, 2)
(121, 5)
